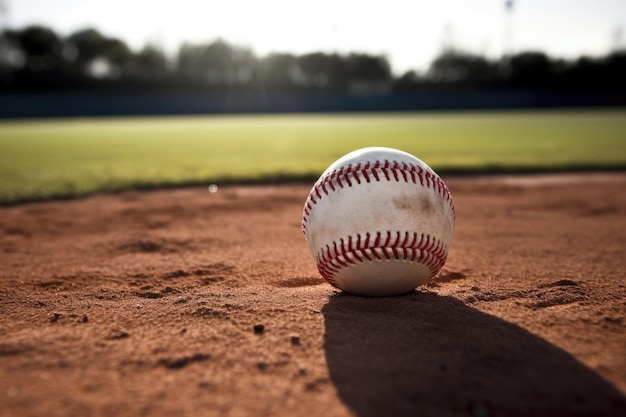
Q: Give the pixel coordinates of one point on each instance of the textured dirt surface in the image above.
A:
(191, 303)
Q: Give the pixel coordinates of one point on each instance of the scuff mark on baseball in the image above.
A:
(378, 222)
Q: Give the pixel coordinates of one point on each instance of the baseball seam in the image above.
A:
(377, 170)
(389, 246)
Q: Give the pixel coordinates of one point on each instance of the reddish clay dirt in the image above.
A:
(190, 303)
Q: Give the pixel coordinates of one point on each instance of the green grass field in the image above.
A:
(65, 158)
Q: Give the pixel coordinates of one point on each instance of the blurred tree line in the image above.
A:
(37, 58)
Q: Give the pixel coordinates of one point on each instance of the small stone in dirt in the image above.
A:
(148, 294)
(566, 282)
(207, 385)
(560, 283)
(85, 319)
(54, 317)
(259, 329)
(450, 276)
(209, 312)
(177, 363)
(295, 340)
(471, 299)
(176, 274)
(117, 334)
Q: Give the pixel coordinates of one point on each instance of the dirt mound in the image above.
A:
(190, 303)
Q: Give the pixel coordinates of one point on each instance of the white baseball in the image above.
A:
(378, 222)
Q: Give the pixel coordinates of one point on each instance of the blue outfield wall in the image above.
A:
(89, 104)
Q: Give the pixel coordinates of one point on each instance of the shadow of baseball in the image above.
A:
(422, 354)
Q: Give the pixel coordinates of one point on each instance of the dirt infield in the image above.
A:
(191, 303)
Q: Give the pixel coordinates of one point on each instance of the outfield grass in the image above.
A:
(64, 158)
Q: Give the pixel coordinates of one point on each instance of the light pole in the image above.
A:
(507, 43)
(507, 39)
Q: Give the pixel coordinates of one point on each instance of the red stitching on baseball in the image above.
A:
(421, 249)
(407, 172)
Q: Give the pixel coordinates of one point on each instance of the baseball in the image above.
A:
(378, 222)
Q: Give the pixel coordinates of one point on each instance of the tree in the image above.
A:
(281, 71)
(615, 65)
(12, 56)
(217, 63)
(117, 52)
(323, 70)
(36, 40)
(90, 46)
(363, 67)
(530, 69)
(150, 63)
(41, 47)
(410, 80)
(460, 68)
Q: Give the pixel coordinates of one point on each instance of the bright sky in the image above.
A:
(409, 32)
